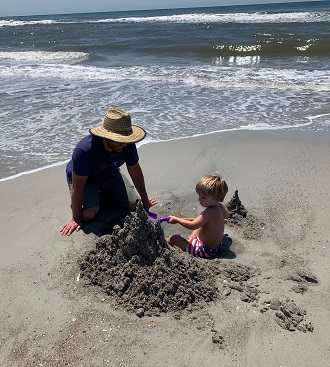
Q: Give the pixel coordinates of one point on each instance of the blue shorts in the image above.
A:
(117, 190)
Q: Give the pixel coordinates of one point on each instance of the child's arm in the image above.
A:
(189, 224)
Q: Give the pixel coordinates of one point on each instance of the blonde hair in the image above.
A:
(212, 186)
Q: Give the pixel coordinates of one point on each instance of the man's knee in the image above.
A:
(89, 214)
(132, 206)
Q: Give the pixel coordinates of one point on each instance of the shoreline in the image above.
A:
(49, 317)
(317, 135)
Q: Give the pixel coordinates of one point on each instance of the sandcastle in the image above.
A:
(135, 266)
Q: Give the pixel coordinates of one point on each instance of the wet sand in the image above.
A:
(105, 299)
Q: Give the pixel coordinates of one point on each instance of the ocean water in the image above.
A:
(179, 72)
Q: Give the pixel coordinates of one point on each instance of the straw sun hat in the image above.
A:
(117, 126)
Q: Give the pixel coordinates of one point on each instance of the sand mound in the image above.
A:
(236, 209)
(251, 227)
(288, 315)
(135, 266)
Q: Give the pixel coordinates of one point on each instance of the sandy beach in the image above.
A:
(267, 299)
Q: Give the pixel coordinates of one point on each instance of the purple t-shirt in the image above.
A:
(91, 159)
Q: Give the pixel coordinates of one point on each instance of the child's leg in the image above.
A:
(178, 241)
(194, 233)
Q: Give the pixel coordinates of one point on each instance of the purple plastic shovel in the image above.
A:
(154, 216)
(164, 219)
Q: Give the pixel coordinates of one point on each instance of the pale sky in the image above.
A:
(41, 7)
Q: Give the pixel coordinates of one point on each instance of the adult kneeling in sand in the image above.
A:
(94, 169)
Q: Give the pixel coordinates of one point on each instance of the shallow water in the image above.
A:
(179, 72)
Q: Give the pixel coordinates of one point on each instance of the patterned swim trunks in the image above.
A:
(196, 248)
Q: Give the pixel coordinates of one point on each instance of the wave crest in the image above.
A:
(257, 17)
(44, 56)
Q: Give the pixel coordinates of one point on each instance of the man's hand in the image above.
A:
(148, 204)
(70, 227)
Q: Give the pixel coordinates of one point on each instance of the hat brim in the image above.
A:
(137, 134)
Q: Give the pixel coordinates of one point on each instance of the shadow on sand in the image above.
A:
(226, 252)
(107, 218)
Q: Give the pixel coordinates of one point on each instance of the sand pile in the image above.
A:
(236, 209)
(288, 315)
(251, 227)
(136, 268)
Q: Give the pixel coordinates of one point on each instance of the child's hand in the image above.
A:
(172, 219)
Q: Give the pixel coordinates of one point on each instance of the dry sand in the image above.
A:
(99, 298)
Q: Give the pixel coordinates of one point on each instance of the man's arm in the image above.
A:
(138, 180)
(78, 184)
(225, 212)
